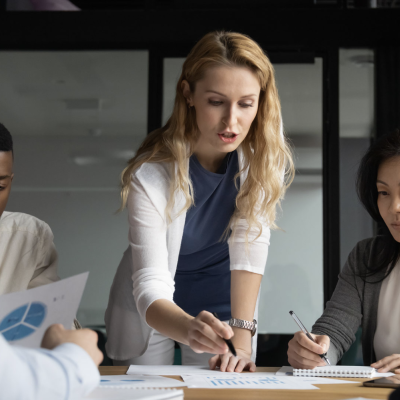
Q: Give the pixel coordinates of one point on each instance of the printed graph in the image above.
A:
(267, 381)
(23, 321)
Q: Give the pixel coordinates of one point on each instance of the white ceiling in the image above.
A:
(74, 93)
(104, 93)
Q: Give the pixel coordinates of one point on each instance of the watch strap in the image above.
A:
(243, 324)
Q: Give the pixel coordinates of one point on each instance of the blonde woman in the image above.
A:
(201, 194)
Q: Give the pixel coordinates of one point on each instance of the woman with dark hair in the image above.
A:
(367, 292)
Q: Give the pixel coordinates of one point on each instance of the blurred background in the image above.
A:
(79, 91)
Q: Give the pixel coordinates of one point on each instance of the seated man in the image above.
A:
(67, 370)
(28, 257)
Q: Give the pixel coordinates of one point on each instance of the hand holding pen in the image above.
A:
(306, 350)
(227, 341)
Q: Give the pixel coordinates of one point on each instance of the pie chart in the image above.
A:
(23, 321)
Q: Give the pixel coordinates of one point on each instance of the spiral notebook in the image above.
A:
(342, 371)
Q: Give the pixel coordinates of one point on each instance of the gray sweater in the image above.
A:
(353, 303)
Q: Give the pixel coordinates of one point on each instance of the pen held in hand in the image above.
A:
(227, 341)
(305, 331)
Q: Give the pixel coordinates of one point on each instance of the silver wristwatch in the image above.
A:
(240, 323)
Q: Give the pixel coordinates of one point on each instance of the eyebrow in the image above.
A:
(4, 177)
(383, 183)
(223, 95)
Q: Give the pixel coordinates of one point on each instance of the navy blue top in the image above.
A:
(203, 278)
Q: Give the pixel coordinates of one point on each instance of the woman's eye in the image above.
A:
(383, 193)
(246, 105)
(215, 103)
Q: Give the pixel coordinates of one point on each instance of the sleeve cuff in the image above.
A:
(249, 268)
(86, 370)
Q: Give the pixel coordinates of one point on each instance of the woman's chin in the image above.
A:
(396, 234)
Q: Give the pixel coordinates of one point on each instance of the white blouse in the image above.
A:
(387, 335)
(147, 270)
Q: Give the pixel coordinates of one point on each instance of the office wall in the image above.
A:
(293, 277)
(79, 202)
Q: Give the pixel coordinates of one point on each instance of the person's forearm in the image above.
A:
(244, 292)
(169, 319)
(66, 372)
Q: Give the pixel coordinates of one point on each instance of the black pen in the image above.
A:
(303, 328)
(227, 341)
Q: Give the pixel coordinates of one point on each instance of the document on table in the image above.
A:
(288, 371)
(246, 381)
(172, 370)
(139, 381)
(25, 315)
(135, 394)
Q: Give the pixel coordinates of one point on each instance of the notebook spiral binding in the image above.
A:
(343, 372)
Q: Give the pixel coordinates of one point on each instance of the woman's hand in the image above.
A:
(304, 353)
(205, 333)
(388, 363)
(229, 363)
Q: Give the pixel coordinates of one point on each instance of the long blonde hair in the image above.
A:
(266, 153)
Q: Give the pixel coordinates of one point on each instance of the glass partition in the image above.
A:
(76, 118)
(356, 130)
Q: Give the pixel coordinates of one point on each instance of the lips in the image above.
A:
(228, 137)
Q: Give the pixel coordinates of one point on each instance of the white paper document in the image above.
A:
(135, 394)
(172, 370)
(25, 315)
(246, 381)
(139, 381)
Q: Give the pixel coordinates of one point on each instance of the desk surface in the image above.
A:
(326, 392)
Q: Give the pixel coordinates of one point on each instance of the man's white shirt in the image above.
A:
(65, 373)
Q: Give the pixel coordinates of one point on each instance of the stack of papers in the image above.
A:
(203, 377)
(139, 381)
(120, 387)
(175, 370)
(136, 394)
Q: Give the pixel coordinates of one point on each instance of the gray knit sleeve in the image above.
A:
(343, 313)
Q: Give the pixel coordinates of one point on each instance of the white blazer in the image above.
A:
(147, 270)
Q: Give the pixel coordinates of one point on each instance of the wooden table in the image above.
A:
(326, 392)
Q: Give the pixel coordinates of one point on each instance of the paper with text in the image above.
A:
(25, 315)
(139, 381)
(246, 381)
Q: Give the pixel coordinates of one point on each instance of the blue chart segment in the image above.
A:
(23, 321)
(267, 381)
